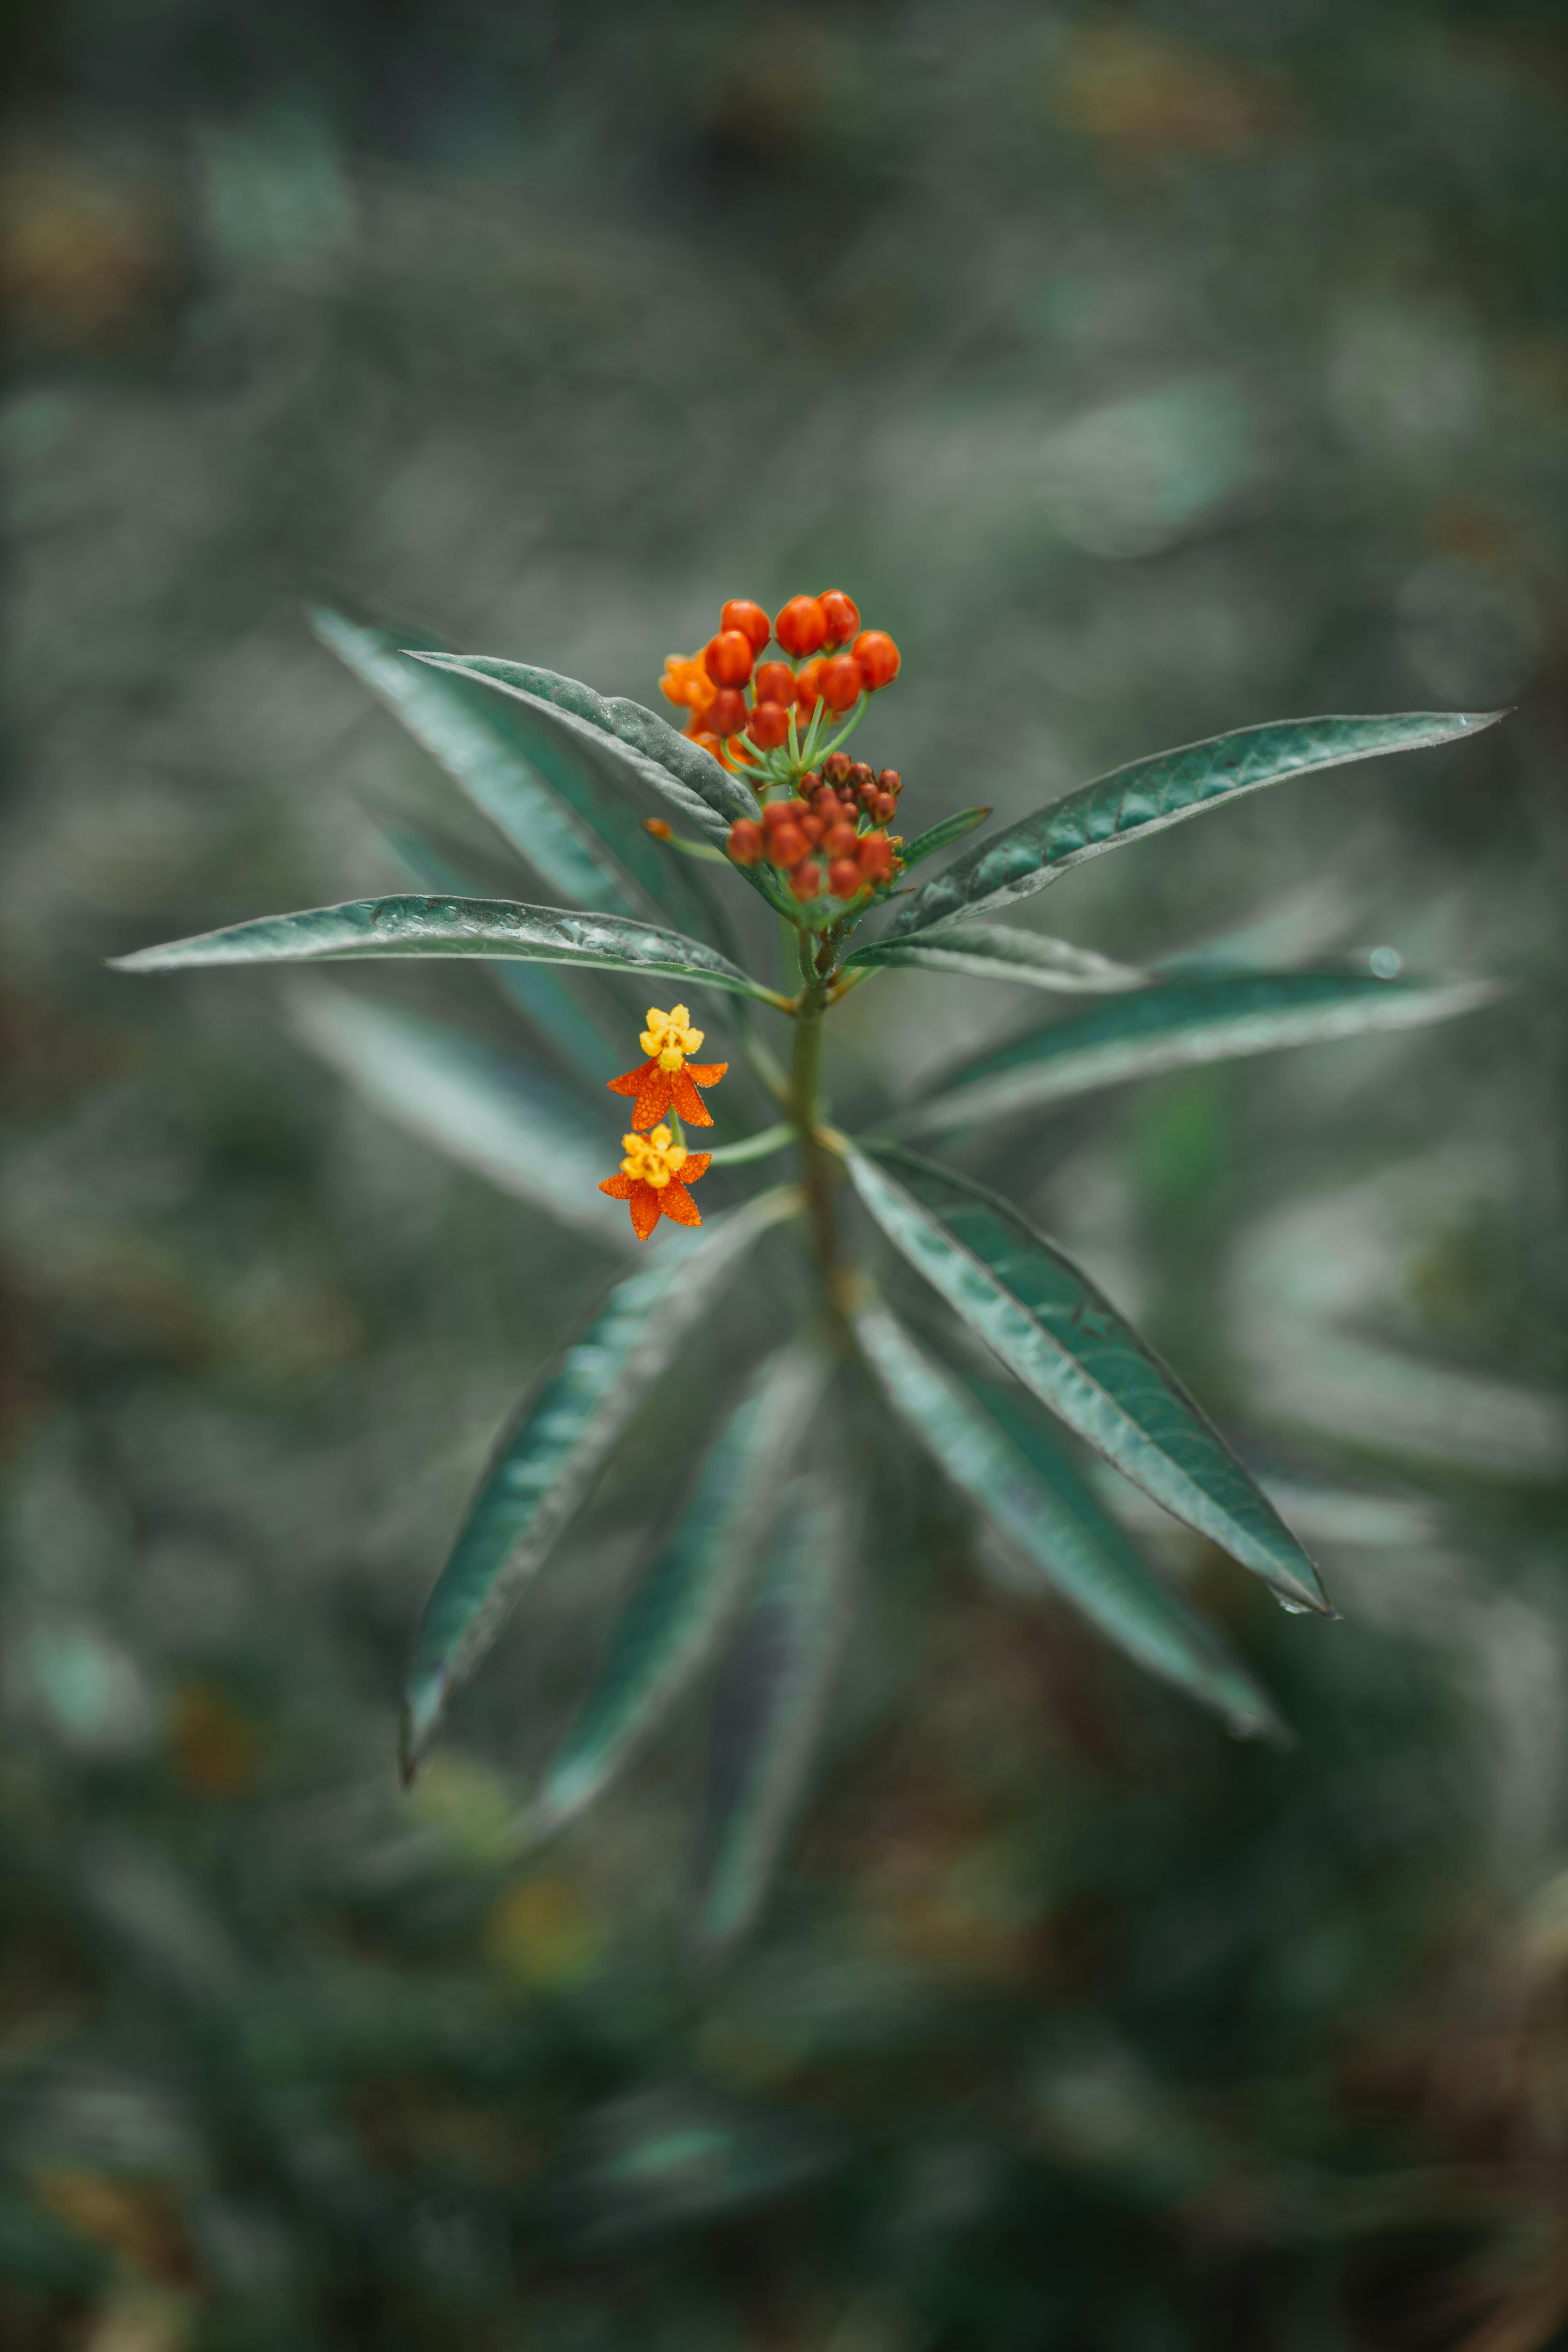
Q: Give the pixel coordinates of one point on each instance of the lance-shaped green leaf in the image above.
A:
(548, 1459)
(771, 1701)
(648, 751)
(532, 988)
(1179, 1024)
(943, 834)
(684, 1603)
(993, 1449)
(1001, 951)
(1164, 790)
(1064, 1339)
(488, 1110)
(456, 926)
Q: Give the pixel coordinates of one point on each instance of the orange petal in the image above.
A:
(619, 1188)
(678, 1203)
(695, 1164)
(653, 1101)
(689, 1102)
(645, 1206)
(630, 1081)
(706, 1074)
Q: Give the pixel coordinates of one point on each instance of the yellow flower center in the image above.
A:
(668, 1038)
(654, 1158)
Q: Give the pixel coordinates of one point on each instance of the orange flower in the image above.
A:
(667, 1078)
(653, 1180)
(687, 683)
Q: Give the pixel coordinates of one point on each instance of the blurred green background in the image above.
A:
(1146, 371)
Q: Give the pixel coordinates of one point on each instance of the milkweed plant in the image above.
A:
(649, 835)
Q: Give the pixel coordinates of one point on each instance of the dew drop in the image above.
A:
(1386, 963)
(1293, 1608)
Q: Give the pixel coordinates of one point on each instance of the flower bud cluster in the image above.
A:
(820, 829)
(832, 664)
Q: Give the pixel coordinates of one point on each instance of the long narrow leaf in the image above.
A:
(550, 818)
(532, 988)
(1000, 952)
(455, 927)
(1004, 1463)
(679, 1610)
(769, 1710)
(1063, 1339)
(1179, 1024)
(1164, 790)
(943, 834)
(490, 1111)
(547, 1461)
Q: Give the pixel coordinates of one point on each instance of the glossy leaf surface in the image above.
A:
(943, 834)
(769, 1709)
(454, 926)
(989, 1445)
(680, 1608)
(490, 1111)
(1058, 1333)
(1179, 1024)
(546, 1462)
(645, 747)
(532, 988)
(1001, 951)
(1164, 790)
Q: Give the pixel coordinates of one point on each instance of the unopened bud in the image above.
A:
(660, 830)
(747, 846)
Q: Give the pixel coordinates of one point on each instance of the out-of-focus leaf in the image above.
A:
(943, 834)
(1298, 926)
(488, 1110)
(531, 987)
(1163, 789)
(677, 1612)
(709, 796)
(769, 1709)
(550, 813)
(455, 927)
(1185, 1022)
(1000, 952)
(1066, 1343)
(675, 2155)
(547, 1460)
(990, 1445)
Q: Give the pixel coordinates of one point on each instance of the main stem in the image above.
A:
(817, 1172)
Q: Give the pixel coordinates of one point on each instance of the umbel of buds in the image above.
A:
(822, 818)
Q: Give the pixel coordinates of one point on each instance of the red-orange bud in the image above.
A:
(839, 684)
(836, 767)
(890, 781)
(774, 682)
(878, 658)
(876, 853)
(841, 840)
(842, 615)
(787, 845)
(728, 657)
(859, 779)
(807, 880)
(844, 878)
(813, 828)
(747, 846)
(802, 627)
(768, 726)
(657, 827)
(750, 619)
(807, 688)
(727, 713)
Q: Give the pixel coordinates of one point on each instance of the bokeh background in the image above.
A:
(1147, 371)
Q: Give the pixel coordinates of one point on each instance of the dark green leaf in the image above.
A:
(645, 748)
(1179, 1024)
(546, 1462)
(1151, 794)
(999, 952)
(770, 1706)
(548, 808)
(455, 927)
(682, 1605)
(1066, 1343)
(488, 1110)
(992, 1448)
(943, 834)
(532, 988)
